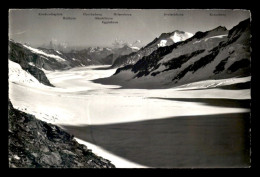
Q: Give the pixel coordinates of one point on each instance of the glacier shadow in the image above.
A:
(218, 102)
(103, 68)
(220, 140)
(153, 85)
(129, 85)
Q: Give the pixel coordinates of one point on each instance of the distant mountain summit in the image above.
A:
(165, 39)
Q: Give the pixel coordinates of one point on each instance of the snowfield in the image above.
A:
(213, 37)
(77, 101)
(58, 52)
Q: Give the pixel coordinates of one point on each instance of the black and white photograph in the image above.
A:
(129, 88)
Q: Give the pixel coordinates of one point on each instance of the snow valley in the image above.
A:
(181, 101)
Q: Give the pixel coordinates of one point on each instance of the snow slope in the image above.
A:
(213, 37)
(18, 75)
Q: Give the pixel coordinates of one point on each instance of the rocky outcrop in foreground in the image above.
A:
(37, 144)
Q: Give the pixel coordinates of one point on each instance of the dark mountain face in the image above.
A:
(125, 50)
(150, 63)
(18, 54)
(23, 55)
(228, 56)
(215, 54)
(168, 38)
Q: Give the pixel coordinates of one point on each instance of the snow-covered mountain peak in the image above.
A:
(167, 39)
(176, 34)
(180, 36)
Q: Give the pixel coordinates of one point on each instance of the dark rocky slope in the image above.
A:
(239, 65)
(37, 144)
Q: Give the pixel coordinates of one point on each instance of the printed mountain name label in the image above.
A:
(69, 18)
(92, 14)
(217, 14)
(110, 22)
(122, 14)
(50, 14)
(173, 14)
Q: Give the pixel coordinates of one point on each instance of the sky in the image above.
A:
(79, 27)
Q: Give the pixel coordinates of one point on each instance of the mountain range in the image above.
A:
(215, 54)
(36, 60)
(172, 59)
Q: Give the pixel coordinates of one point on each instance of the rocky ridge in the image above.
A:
(37, 144)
